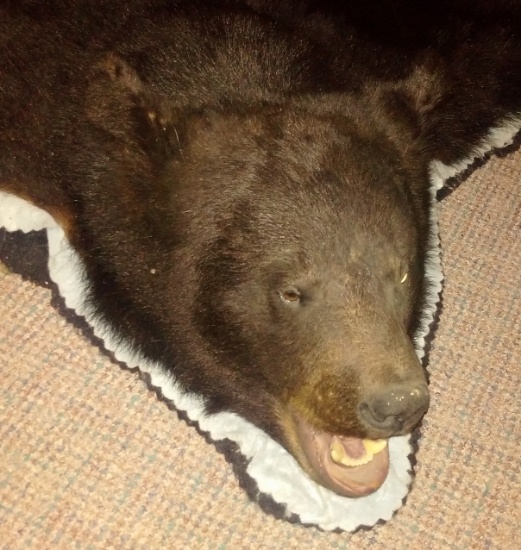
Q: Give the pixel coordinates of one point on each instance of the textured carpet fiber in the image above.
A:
(90, 459)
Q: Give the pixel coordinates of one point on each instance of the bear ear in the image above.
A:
(422, 89)
(409, 104)
(125, 107)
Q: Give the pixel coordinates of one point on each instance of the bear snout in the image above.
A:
(395, 409)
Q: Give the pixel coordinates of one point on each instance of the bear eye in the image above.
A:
(404, 277)
(290, 295)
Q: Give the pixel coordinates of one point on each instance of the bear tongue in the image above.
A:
(331, 458)
(353, 447)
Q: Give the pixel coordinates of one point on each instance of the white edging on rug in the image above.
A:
(274, 470)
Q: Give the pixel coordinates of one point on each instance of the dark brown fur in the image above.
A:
(208, 162)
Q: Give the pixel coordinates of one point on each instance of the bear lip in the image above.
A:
(348, 481)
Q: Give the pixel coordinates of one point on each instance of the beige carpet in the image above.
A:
(90, 459)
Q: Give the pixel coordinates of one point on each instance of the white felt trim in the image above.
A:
(497, 138)
(18, 215)
(275, 471)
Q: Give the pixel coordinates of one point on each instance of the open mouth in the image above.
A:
(349, 466)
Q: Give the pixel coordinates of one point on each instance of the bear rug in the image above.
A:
(267, 472)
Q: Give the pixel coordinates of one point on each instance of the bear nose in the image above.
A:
(395, 410)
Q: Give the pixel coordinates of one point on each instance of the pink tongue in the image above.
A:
(353, 446)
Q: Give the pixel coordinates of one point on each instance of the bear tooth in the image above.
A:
(374, 446)
(337, 452)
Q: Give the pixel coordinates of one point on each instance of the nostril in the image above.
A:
(397, 408)
(376, 420)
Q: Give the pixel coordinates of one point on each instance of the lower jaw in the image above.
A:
(357, 481)
(348, 481)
